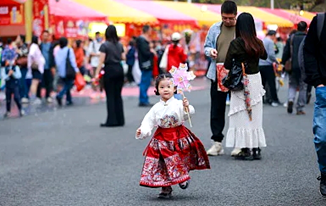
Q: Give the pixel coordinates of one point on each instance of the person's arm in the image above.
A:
(286, 52)
(208, 45)
(310, 51)
(17, 73)
(271, 51)
(183, 56)
(73, 60)
(4, 76)
(123, 54)
(30, 56)
(228, 63)
(147, 125)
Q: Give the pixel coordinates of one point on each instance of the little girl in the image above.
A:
(173, 150)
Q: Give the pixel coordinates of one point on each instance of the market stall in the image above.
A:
(70, 24)
(12, 18)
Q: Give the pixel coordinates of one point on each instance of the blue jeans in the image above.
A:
(319, 127)
(24, 86)
(145, 82)
(67, 85)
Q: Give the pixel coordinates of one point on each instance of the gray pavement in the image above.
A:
(62, 157)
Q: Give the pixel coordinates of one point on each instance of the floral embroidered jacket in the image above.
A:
(165, 115)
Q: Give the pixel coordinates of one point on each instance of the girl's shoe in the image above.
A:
(166, 193)
(256, 153)
(184, 185)
(245, 154)
(6, 115)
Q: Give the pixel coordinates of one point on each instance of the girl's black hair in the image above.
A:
(159, 78)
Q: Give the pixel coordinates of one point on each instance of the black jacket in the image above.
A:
(296, 41)
(314, 53)
(145, 56)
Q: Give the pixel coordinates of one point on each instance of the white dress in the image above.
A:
(242, 132)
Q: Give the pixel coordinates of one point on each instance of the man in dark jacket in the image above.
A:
(314, 53)
(46, 48)
(145, 58)
(295, 78)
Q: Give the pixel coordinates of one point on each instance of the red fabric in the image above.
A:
(79, 54)
(176, 56)
(79, 82)
(155, 67)
(170, 155)
(70, 10)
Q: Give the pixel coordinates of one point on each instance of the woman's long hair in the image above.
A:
(245, 28)
(111, 34)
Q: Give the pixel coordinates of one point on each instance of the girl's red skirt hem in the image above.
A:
(170, 155)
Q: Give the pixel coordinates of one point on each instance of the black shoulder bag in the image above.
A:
(233, 81)
(70, 70)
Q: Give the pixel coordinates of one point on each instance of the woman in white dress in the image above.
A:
(246, 108)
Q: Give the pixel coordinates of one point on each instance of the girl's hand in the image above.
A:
(185, 102)
(138, 132)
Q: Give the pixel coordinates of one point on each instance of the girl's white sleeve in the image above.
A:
(147, 124)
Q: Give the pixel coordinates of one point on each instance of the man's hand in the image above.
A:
(10, 72)
(53, 71)
(213, 53)
(321, 85)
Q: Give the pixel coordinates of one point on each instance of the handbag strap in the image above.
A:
(243, 69)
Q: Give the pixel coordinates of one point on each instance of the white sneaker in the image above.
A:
(274, 104)
(216, 149)
(25, 100)
(235, 151)
(49, 100)
(37, 101)
(22, 113)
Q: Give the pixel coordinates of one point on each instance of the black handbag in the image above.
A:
(70, 70)
(233, 81)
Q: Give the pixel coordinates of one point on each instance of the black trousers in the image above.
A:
(114, 104)
(218, 100)
(268, 77)
(129, 74)
(13, 90)
(47, 83)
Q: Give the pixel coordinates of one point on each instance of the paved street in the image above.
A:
(62, 157)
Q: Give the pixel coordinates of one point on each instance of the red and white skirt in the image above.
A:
(170, 155)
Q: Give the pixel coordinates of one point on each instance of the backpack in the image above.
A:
(320, 24)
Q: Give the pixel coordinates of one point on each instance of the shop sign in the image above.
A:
(11, 15)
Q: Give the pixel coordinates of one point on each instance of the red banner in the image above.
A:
(12, 15)
(71, 29)
(40, 16)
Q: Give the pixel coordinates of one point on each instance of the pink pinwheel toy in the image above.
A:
(181, 78)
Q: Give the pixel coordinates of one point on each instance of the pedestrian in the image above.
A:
(35, 65)
(246, 107)
(267, 66)
(173, 150)
(94, 58)
(295, 77)
(11, 74)
(111, 55)
(63, 58)
(131, 57)
(314, 52)
(216, 46)
(25, 80)
(80, 56)
(175, 53)
(145, 58)
(47, 76)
